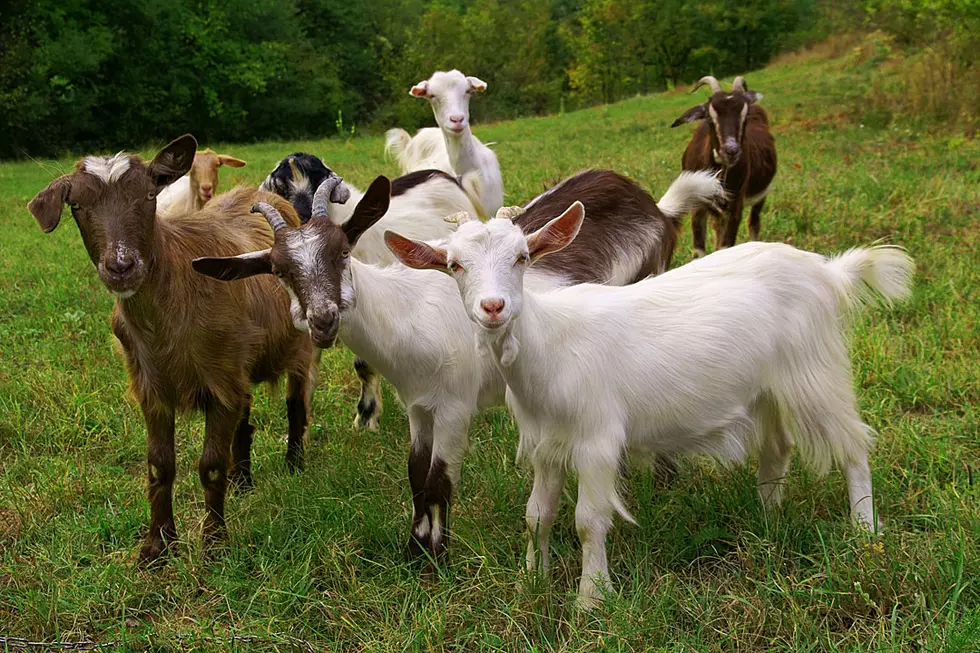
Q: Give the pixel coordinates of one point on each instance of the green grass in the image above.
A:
(318, 556)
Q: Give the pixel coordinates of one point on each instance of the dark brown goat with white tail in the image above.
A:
(188, 342)
(733, 139)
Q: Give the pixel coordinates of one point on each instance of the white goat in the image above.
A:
(411, 327)
(463, 154)
(719, 357)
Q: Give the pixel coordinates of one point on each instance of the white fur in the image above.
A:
(107, 168)
(723, 356)
(177, 198)
(464, 155)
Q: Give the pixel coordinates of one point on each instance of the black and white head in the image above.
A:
(313, 261)
(297, 177)
(725, 114)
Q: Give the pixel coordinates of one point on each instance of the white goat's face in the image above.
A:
(488, 261)
(449, 95)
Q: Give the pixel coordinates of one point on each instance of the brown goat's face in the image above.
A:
(313, 264)
(725, 114)
(204, 174)
(113, 201)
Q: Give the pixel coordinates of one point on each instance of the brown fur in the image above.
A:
(750, 175)
(188, 342)
(204, 174)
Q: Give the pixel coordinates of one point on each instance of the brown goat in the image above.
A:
(734, 139)
(188, 342)
(195, 189)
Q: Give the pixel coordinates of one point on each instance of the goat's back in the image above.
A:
(624, 237)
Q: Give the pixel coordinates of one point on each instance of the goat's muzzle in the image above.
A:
(121, 271)
(324, 325)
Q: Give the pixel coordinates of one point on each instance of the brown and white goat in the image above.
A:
(195, 189)
(188, 342)
(733, 139)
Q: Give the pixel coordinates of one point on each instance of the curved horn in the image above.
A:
(330, 190)
(459, 218)
(271, 214)
(709, 80)
(739, 84)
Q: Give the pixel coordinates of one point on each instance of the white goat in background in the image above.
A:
(451, 147)
(724, 356)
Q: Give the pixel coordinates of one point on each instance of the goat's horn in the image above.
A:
(739, 84)
(710, 81)
(271, 214)
(459, 218)
(329, 191)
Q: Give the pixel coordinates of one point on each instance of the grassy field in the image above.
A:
(318, 556)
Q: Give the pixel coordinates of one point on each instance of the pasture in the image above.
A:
(319, 556)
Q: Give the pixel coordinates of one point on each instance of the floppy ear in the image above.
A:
(558, 233)
(225, 160)
(692, 114)
(415, 253)
(234, 267)
(752, 96)
(477, 85)
(46, 205)
(173, 161)
(420, 90)
(369, 210)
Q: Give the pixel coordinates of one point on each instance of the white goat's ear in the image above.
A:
(477, 85)
(420, 90)
(415, 253)
(558, 233)
(752, 96)
(231, 268)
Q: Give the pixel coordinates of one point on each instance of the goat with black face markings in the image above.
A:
(419, 202)
(733, 139)
(188, 343)
(410, 325)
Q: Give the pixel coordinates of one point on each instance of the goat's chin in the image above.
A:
(122, 287)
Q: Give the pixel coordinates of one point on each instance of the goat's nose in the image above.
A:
(492, 307)
(457, 118)
(207, 188)
(120, 264)
(732, 148)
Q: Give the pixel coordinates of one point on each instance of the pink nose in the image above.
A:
(492, 307)
(457, 119)
(206, 189)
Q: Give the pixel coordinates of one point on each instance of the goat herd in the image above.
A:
(463, 304)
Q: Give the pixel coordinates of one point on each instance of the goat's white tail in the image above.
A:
(396, 144)
(689, 190)
(864, 275)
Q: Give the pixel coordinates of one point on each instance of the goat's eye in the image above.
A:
(454, 266)
(73, 205)
(345, 254)
(523, 258)
(150, 195)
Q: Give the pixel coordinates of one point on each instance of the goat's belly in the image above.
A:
(729, 436)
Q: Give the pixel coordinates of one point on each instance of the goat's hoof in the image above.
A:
(700, 253)
(295, 463)
(367, 416)
(585, 603)
(155, 551)
(241, 481)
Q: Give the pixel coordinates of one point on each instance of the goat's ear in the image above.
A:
(477, 85)
(47, 205)
(692, 114)
(225, 160)
(369, 210)
(173, 161)
(558, 233)
(415, 253)
(752, 96)
(420, 90)
(234, 267)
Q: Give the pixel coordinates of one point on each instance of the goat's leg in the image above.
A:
(699, 220)
(542, 508)
(449, 443)
(593, 518)
(369, 405)
(298, 387)
(728, 237)
(219, 428)
(755, 219)
(859, 491)
(241, 450)
(161, 468)
(774, 455)
(419, 461)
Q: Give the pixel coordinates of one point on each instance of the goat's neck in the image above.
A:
(515, 347)
(461, 149)
(147, 309)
